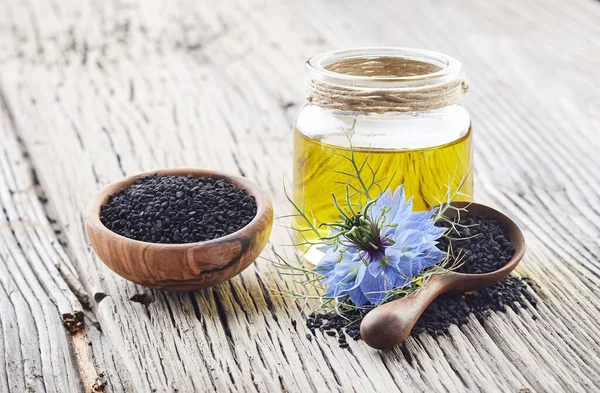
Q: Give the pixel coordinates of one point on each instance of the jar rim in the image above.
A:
(449, 68)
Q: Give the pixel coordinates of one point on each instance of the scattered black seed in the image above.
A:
(309, 337)
(445, 311)
(482, 244)
(454, 309)
(346, 325)
(178, 209)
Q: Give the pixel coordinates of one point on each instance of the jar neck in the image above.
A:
(380, 80)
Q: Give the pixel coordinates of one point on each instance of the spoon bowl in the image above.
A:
(389, 324)
(186, 266)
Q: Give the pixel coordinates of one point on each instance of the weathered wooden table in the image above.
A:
(94, 90)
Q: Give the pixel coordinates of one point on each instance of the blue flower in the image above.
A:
(377, 251)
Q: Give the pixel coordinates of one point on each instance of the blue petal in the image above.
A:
(399, 196)
(374, 288)
(405, 266)
(388, 262)
(349, 273)
(359, 276)
(349, 283)
(398, 207)
(434, 257)
(408, 242)
(403, 208)
(401, 281)
(405, 224)
(327, 263)
(383, 201)
(375, 268)
(330, 286)
(393, 257)
(421, 216)
(358, 297)
(387, 231)
(437, 232)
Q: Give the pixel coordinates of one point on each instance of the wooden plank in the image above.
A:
(92, 91)
(34, 297)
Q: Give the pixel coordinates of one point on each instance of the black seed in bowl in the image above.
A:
(482, 244)
(178, 209)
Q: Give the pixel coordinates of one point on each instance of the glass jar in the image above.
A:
(392, 113)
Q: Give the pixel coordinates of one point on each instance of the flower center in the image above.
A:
(375, 251)
(366, 236)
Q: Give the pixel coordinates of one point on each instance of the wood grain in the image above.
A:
(95, 90)
(180, 267)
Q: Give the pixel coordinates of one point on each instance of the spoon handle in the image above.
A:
(387, 325)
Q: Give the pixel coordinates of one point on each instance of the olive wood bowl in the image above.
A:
(389, 324)
(187, 266)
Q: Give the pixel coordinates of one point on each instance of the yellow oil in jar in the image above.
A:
(427, 174)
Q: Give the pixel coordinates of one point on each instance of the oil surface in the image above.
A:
(427, 174)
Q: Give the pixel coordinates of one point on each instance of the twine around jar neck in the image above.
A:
(412, 96)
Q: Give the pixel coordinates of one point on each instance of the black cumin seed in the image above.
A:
(178, 209)
(481, 243)
(456, 309)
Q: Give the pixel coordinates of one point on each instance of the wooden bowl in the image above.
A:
(186, 266)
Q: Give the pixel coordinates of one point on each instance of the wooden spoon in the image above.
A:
(389, 324)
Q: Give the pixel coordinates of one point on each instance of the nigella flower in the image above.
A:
(380, 249)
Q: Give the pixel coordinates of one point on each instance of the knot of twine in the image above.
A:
(400, 99)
